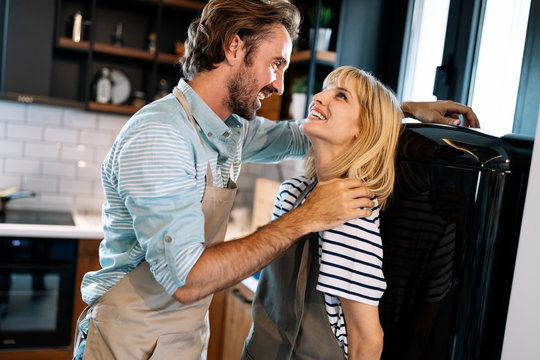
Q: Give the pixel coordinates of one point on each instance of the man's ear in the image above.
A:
(236, 50)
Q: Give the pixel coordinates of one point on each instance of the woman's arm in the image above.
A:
(364, 331)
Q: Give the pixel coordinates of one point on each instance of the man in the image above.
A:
(169, 185)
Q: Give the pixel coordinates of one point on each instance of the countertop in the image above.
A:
(87, 226)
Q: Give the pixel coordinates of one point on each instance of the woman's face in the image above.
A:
(333, 119)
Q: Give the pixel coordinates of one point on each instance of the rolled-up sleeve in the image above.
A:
(156, 171)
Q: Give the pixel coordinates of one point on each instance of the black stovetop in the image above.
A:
(39, 217)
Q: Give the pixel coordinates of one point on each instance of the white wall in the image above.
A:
(522, 336)
(57, 152)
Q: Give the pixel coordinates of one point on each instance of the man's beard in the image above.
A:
(242, 93)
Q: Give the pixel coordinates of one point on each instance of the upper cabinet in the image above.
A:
(103, 55)
(116, 55)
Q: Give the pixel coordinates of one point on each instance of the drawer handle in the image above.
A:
(242, 298)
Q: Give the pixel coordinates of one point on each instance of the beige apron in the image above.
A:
(137, 319)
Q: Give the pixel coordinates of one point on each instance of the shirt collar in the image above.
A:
(208, 121)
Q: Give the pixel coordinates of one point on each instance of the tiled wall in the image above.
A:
(57, 152)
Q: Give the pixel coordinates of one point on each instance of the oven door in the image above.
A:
(36, 292)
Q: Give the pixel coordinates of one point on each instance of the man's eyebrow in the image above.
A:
(282, 60)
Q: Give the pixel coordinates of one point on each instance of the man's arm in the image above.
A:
(441, 112)
(330, 204)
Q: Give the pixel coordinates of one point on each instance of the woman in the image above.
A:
(319, 300)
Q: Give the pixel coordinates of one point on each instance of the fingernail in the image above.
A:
(457, 122)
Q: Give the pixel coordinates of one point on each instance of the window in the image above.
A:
(423, 49)
(495, 82)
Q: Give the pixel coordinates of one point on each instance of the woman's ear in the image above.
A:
(235, 51)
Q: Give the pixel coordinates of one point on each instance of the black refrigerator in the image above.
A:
(450, 235)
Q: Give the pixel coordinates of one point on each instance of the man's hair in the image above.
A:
(371, 156)
(251, 20)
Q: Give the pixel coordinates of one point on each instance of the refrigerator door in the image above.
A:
(450, 236)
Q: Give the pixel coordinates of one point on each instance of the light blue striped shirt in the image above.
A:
(154, 178)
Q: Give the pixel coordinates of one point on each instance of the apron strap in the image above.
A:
(185, 105)
(304, 193)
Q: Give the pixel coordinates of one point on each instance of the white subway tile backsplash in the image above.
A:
(11, 148)
(61, 135)
(14, 166)
(56, 201)
(57, 152)
(77, 152)
(76, 187)
(60, 169)
(40, 184)
(87, 203)
(100, 154)
(78, 119)
(14, 111)
(7, 181)
(96, 138)
(112, 123)
(42, 114)
(97, 189)
(24, 132)
(89, 170)
(43, 151)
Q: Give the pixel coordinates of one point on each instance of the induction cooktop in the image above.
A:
(39, 217)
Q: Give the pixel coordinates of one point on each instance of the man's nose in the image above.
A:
(278, 84)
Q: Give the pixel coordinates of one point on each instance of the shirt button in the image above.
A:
(223, 159)
(168, 239)
(210, 134)
(226, 134)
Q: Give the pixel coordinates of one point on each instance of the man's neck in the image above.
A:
(209, 85)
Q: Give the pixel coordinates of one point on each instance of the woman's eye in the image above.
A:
(342, 95)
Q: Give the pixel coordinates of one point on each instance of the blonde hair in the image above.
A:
(371, 156)
(209, 35)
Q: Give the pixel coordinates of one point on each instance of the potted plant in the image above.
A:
(298, 97)
(325, 32)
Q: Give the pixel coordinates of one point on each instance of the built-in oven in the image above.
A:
(37, 277)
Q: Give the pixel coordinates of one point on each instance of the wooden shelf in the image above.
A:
(305, 55)
(189, 4)
(168, 58)
(123, 51)
(67, 43)
(119, 109)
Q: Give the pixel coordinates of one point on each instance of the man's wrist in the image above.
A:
(406, 109)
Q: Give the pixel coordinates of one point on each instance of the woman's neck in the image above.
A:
(323, 156)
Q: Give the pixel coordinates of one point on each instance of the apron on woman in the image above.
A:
(137, 319)
(289, 313)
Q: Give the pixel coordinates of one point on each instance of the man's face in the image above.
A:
(262, 76)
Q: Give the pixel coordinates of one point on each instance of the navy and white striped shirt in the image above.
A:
(350, 259)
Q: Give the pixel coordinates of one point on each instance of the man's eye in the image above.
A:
(276, 64)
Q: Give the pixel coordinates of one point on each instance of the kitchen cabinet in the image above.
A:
(46, 61)
(230, 322)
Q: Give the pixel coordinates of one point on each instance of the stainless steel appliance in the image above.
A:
(450, 237)
(37, 277)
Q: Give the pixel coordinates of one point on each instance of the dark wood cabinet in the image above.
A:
(42, 62)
